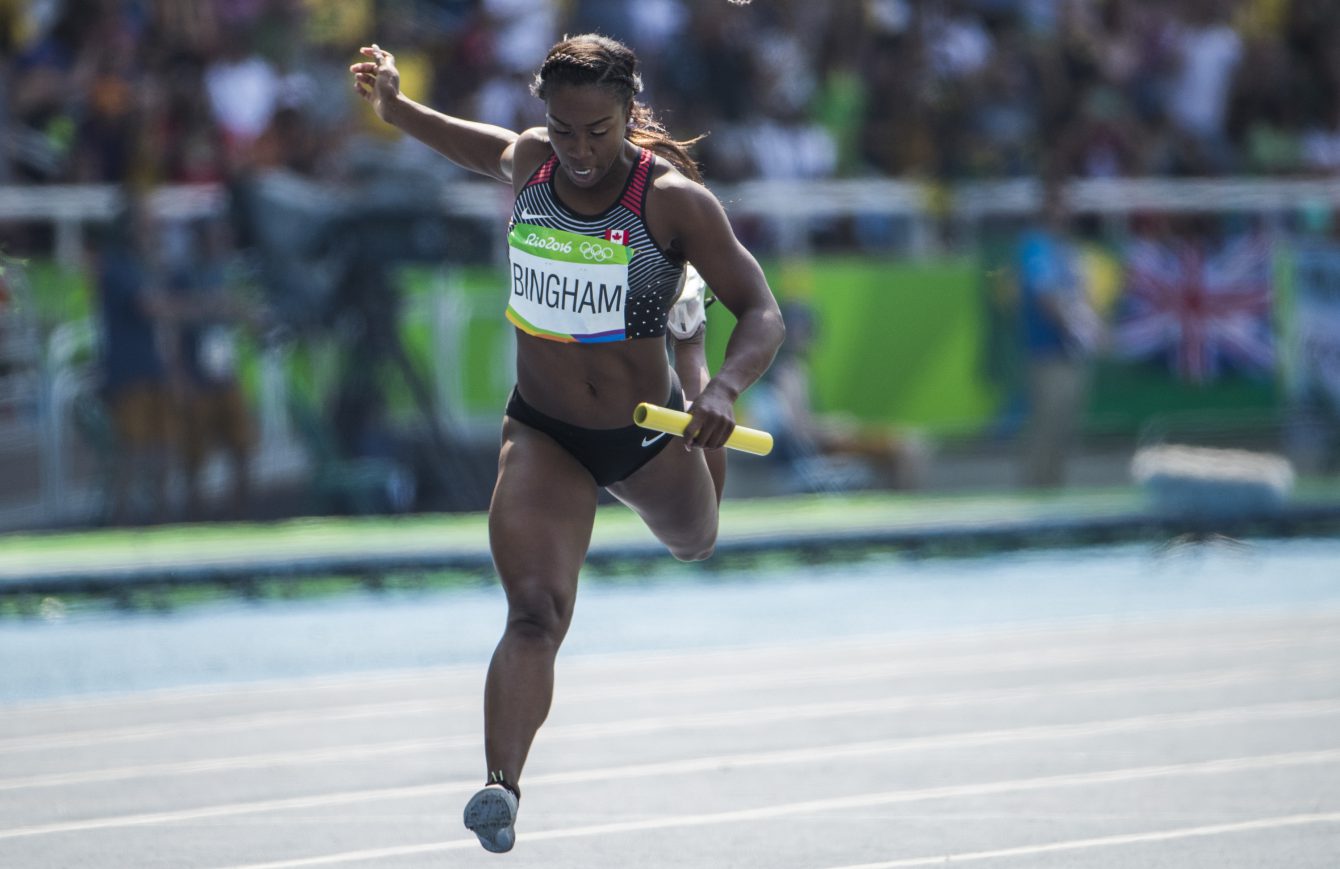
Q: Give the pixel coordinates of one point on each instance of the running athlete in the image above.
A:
(609, 214)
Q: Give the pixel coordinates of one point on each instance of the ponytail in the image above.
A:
(646, 131)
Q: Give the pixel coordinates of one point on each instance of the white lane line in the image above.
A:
(300, 757)
(1212, 628)
(1215, 628)
(1224, 629)
(828, 674)
(835, 804)
(1110, 841)
(1196, 681)
(229, 723)
(782, 757)
(869, 748)
(224, 691)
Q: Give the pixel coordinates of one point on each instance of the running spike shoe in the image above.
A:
(491, 815)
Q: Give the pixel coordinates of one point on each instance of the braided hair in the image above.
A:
(592, 59)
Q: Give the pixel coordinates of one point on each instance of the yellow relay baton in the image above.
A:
(656, 418)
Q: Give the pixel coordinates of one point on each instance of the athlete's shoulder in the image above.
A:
(529, 152)
(679, 194)
(533, 137)
(674, 185)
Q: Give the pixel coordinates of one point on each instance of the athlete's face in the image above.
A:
(586, 127)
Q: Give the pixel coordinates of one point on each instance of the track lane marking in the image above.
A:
(732, 718)
(860, 801)
(1109, 841)
(976, 664)
(1213, 627)
(1261, 712)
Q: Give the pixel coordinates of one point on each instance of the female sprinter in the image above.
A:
(609, 213)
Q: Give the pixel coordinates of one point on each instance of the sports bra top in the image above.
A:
(588, 279)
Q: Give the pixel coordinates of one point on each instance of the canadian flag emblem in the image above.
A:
(618, 236)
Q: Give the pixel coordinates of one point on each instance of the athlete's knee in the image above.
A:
(695, 550)
(701, 554)
(540, 616)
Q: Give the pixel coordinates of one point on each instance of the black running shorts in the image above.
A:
(610, 454)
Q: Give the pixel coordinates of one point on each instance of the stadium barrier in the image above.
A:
(70, 208)
(791, 208)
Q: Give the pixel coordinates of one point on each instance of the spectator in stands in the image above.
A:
(244, 90)
(710, 87)
(49, 73)
(134, 376)
(1320, 144)
(1105, 139)
(110, 123)
(290, 142)
(1208, 53)
(1265, 127)
(8, 33)
(1321, 138)
(203, 319)
(615, 17)
(783, 139)
(1002, 124)
(1060, 334)
(897, 135)
(949, 90)
(185, 145)
(521, 30)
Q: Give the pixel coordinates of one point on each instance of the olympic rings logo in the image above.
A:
(596, 252)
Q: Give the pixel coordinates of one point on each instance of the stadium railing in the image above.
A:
(789, 206)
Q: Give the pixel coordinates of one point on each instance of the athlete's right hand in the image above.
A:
(377, 80)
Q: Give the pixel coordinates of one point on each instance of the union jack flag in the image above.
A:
(1201, 311)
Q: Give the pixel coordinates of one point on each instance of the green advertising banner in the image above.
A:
(894, 342)
(927, 345)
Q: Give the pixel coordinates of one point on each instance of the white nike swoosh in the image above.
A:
(526, 215)
(646, 442)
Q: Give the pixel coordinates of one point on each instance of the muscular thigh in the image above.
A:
(540, 518)
(673, 494)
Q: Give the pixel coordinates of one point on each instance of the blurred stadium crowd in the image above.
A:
(163, 92)
(253, 99)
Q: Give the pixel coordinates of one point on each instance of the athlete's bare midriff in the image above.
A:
(591, 385)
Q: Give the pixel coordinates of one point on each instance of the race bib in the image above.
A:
(567, 287)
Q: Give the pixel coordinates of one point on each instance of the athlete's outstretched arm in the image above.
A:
(708, 240)
(481, 148)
